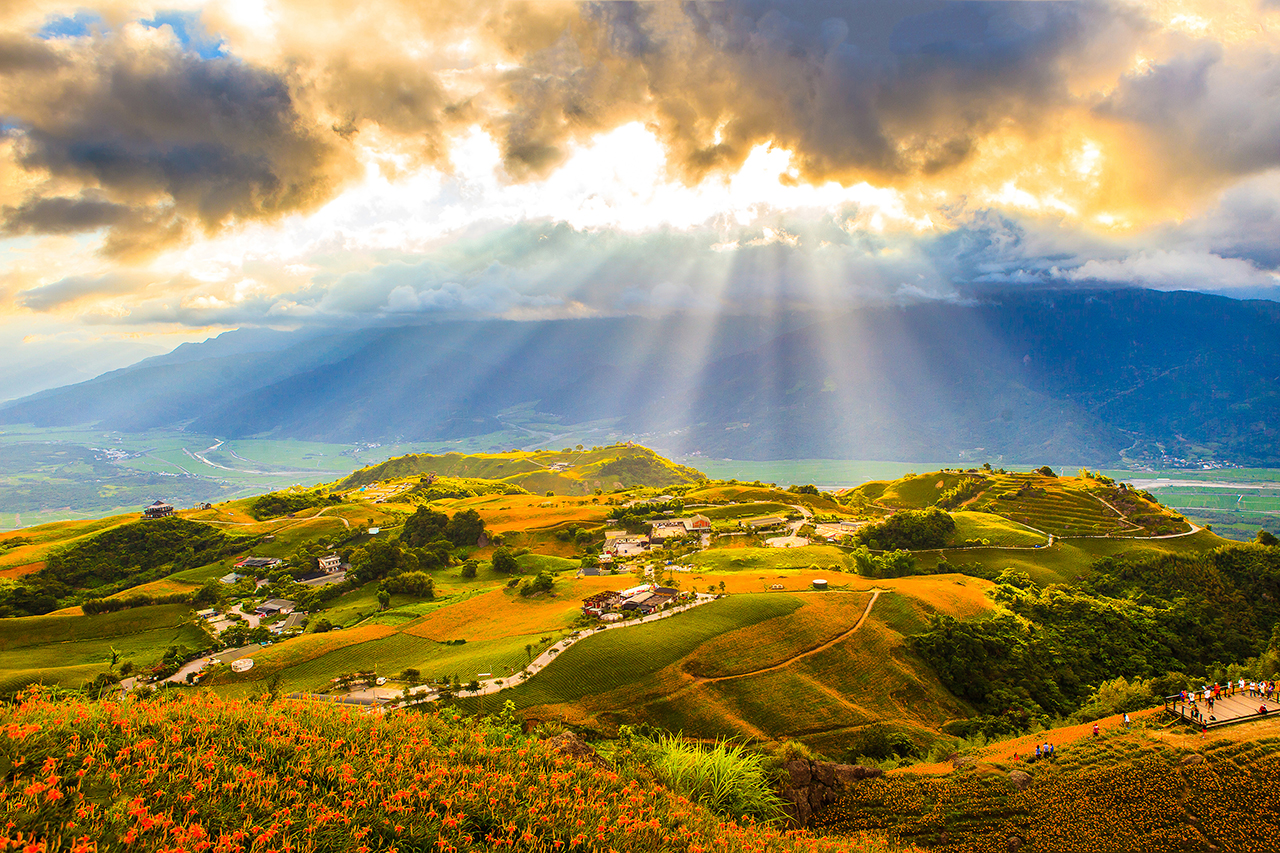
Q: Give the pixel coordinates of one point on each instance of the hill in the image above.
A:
(1141, 789)
(568, 471)
(1014, 377)
(767, 666)
(1065, 506)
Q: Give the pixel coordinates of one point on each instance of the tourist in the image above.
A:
(1262, 709)
(1037, 752)
(1126, 719)
(1095, 729)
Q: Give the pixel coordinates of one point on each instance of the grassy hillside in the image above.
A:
(1124, 791)
(70, 650)
(607, 468)
(765, 666)
(303, 776)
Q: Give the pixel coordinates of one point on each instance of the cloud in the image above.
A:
(159, 139)
(68, 291)
(1176, 270)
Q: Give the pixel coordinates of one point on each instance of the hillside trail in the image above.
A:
(875, 594)
(1021, 747)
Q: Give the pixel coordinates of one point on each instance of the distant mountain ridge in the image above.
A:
(1019, 377)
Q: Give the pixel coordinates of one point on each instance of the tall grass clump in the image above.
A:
(725, 777)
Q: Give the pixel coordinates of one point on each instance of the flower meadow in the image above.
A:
(199, 773)
(1116, 794)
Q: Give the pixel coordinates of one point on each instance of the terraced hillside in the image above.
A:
(1062, 506)
(1128, 790)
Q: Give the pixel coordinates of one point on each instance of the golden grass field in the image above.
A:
(503, 613)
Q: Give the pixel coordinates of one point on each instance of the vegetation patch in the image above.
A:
(312, 777)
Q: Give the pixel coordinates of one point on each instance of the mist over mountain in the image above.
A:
(1013, 376)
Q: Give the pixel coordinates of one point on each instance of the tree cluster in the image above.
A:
(115, 560)
(1139, 617)
(276, 504)
(908, 530)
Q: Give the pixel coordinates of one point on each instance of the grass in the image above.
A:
(770, 559)
(70, 650)
(1067, 559)
(604, 662)
(1123, 792)
(994, 530)
(31, 631)
(744, 510)
(776, 640)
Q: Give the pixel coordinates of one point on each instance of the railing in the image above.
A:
(1196, 711)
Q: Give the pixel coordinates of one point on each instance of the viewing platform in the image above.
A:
(1227, 709)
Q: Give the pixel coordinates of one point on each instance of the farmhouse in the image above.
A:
(272, 606)
(159, 509)
(330, 563)
(625, 545)
(601, 603)
(230, 579)
(637, 601)
(762, 523)
(258, 563)
(293, 623)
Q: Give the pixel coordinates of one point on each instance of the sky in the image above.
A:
(169, 171)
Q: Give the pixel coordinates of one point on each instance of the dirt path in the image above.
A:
(875, 593)
(1020, 748)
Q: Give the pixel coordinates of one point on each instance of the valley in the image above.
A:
(463, 581)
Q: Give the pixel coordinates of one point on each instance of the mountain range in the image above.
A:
(1015, 376)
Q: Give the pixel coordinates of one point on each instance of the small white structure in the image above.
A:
(242, 665)
(819, 583)
(330, 563)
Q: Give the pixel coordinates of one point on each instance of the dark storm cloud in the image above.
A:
(63, 215)
(163, 138)
(22, 54)
(856, 89)
(1213, 112)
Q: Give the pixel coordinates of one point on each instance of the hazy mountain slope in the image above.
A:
(1062, 375)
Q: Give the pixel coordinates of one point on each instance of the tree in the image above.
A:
(423, 526)
(1046, 471)
(1266, 537)
(465, 528)
(384, 598)
(528, 651)
(469, 569)
(721, 586)
(504, 562)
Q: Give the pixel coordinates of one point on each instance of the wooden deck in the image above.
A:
(1226, 709)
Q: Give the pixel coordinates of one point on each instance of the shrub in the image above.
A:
(725, 777)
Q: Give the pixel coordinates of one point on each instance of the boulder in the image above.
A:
(1192, 759)
(569, 743)
(800, 772)
(846, 773)
(1020, 779)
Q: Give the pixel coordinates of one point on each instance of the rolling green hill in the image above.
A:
(563, 472)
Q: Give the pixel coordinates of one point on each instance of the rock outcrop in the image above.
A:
(812, 785)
